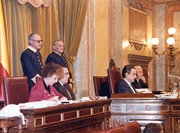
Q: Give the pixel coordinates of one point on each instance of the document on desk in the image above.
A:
(143, 90)
(166, 96)
(38, 104)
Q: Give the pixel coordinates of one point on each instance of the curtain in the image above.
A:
(4, 64)
(72, 16)
(63, 19)
(37, 3)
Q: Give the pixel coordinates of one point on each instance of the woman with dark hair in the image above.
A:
(43, 89)
(153, 128)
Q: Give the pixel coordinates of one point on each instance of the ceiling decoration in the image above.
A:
(162, 1)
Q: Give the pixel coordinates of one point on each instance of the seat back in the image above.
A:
(145, 73)
(98, 81)
(16, 90)
(114, 77)
(133, 127)
(119, 129)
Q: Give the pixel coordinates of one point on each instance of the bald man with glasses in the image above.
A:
(31, 59)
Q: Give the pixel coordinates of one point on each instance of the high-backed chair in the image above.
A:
(145, 73)
(16, 90)
(119, 129)
(98, 81)
(133, 127)
(114, 76)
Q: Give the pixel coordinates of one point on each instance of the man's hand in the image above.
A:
(143, 79)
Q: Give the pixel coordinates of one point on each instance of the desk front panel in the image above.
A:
(144, 111)
(76, 117)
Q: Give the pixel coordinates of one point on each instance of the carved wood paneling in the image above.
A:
(139, 60)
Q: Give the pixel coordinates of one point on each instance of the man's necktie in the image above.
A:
(139, 84)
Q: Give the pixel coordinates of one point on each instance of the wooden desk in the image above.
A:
(6, 123)
(81, 117)
(146, 110)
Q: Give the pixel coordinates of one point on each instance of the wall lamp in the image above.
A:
(171, 52)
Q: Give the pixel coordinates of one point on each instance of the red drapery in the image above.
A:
(37, 3)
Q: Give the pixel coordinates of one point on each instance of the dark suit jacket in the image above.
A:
(104, 89)
(141, 84)
(65, 90)
(31, 66)
(123, 87)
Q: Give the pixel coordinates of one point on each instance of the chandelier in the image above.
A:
(170, 52)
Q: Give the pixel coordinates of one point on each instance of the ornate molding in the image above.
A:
(143, 61)
(111, 29)
(137, 46)
(137, 4)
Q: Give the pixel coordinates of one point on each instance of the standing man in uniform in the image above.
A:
(31, 59)
(57, 56)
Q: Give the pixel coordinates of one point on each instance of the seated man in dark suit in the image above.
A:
(140, 81)
(63, 87)
(129, 75)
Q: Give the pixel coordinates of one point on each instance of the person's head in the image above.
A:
(52, 72)
(66, 76)
(153, 128)
(58, 46)
(129, 73)
(139, 72)
(35, 41)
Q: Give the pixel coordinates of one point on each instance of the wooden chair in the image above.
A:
(98, 81)
(16, 90)
(133, 127)
(114, 76)
(119, 129)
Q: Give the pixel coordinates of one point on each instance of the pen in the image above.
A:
(53, 93)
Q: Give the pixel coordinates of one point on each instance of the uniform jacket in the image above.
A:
(30, 64)
(56, 58)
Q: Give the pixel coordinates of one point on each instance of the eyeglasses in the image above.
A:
(37, 41)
